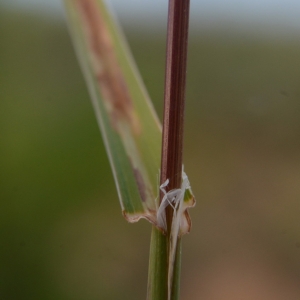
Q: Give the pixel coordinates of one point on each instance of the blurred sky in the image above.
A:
(278, 13)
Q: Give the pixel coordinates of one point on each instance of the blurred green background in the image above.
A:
(62, 235)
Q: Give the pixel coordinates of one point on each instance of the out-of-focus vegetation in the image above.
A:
(60, 237)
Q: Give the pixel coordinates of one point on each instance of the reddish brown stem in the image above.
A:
(174, 99)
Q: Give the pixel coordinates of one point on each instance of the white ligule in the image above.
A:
(174, 198)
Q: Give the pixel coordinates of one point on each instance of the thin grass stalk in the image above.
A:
(172, 149)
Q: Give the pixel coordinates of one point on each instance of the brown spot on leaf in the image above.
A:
(148, 215)
(106, 67)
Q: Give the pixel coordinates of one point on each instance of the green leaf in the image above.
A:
(129, 125)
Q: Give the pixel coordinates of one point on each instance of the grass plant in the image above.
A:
(132, 132)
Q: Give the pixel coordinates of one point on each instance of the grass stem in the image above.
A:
(172, 146)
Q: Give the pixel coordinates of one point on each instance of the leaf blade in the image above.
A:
(129, 125)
